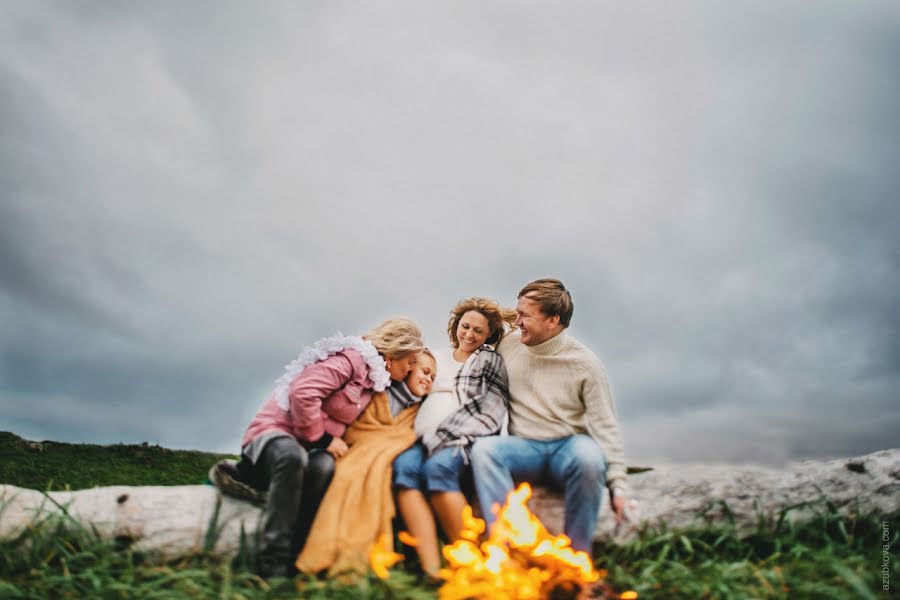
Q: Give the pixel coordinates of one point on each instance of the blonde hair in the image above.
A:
(553, 298)
(396, 338)
(427, 352)
(497, 318)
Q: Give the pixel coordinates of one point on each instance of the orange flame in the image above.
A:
(520, 560)
(406, 538)
(382, 557)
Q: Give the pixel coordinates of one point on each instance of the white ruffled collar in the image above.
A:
(321, 350)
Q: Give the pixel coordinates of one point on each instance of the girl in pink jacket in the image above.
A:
(290, 446)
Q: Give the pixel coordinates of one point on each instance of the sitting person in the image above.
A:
(564, 433)
(468, 400)
(290, 446)
(358, 508)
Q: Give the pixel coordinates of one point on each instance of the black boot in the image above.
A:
(232, 480)
(273, 566)
(319, 473)
(282, 463)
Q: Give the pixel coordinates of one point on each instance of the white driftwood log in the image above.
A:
(175, 520)
(675, 494)
(171, 519)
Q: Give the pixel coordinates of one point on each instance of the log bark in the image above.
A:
(177, 520)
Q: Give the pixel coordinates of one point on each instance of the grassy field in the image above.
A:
(57, 466)
(829, 556)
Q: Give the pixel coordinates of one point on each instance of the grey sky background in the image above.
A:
(190, 193)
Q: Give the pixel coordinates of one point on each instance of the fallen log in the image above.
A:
(179, 520)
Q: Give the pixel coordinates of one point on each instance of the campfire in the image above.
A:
(520, 560)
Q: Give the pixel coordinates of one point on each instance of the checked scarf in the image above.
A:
(483, 388)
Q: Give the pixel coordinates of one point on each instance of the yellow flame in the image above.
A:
(407, 538)
(558, 547)
(472, 527)
(462, 553)
(521, 527)
(496, 557)
(381, 557)
(520, 560)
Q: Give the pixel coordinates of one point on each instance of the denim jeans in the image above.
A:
(574, 465)
(446, 470)
(407, 469)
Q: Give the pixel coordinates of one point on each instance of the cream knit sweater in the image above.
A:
(559, 388)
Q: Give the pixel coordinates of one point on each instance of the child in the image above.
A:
(358, 508)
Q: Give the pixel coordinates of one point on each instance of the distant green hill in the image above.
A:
(59, 466)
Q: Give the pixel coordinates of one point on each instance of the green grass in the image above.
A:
(60, 466)
(827, 556)
(830, 556)
(57, 559)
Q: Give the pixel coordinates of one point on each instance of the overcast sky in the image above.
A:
(190, 193)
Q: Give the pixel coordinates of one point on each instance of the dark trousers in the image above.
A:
(296, 480)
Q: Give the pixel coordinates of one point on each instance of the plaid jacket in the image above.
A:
(483, 387)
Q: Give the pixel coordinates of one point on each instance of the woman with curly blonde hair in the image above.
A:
(468, 400)
(289, 449)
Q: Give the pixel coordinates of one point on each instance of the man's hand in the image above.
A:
(337, 447)
(619, 502)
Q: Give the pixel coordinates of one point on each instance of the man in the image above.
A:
(563, 426)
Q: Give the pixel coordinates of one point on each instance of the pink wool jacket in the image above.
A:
(325, 398)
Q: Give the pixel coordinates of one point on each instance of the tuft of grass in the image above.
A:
(57, 558)
(830, 555)
(60, 466)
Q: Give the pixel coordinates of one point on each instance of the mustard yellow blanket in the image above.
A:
(358, 506)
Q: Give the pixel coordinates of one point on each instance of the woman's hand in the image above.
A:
(337, 447)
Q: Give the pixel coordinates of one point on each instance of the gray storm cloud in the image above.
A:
(189, 194)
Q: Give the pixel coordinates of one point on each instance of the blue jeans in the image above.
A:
(444, 471)
(575, 464)
(408, 469)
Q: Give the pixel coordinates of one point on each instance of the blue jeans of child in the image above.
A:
(445, 471)
(575, 465)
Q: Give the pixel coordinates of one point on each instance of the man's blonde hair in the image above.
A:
(396, 338)
(497, 317)
(553, 298)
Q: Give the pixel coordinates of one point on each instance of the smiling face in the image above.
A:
(400, 367)
(422, 377)
(536, 327)
(472, 332)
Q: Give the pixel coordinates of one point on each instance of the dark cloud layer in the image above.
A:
(191, 193)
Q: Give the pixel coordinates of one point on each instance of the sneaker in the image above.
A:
(224, 475)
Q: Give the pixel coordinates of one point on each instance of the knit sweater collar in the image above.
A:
(554, 345)
(400, 397)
